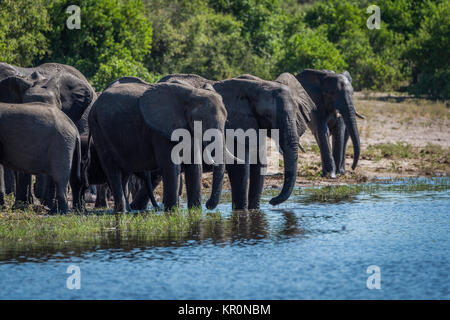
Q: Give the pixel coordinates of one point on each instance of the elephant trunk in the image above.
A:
(349, 115)
(289, 145)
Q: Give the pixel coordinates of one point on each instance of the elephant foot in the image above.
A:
(341, 172)
(21, 205)
(56, 211)
(89, 197)
(101, 204)
(139, 206)
(330, 175)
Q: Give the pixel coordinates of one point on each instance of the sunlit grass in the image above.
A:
(338, 193)
(30, 226)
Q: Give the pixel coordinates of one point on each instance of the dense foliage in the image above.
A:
(224, 38)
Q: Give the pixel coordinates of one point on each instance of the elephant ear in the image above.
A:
(76, 95)
(12, 89)
(7, 70)
(163, 107)
(300, 96)
(311, 80)
(346, 74)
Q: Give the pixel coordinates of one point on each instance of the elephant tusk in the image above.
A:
(209, 159)
(359, 115)
(230, 156)
(279, 149)
(301, 147)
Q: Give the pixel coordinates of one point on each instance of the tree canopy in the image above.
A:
(224, 38)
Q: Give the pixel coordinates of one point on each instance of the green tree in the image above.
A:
(311, 49)
(116, 68)
(22, 27)
(109, 28)
(429, 52)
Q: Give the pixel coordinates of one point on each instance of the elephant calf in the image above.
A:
(38, 138)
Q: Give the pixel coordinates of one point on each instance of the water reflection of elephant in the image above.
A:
(248, 225)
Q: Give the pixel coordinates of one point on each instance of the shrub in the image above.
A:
(22, 28)
(429, 53)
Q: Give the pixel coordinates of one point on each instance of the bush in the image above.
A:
(22, 28)
(428, 53)
(109, 28)
(116, 68)
(311, 49)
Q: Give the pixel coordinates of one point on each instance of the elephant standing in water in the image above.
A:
(51, 83)
(37, 138)
(335, 113)
(255, 104)
(132, 123)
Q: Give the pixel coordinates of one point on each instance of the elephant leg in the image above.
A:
(170, 180)
(115, 184)
(102, 194)
(40, 186)
(23, 190)
(344, 148)
(50, 192)
(238, 175)
(338, 137)
(114, 176)
(10, 180)
(193, 177)
(2, 187)
(255, 186)
(61, 205)
(126, 190)
(170, 173)
(78, 189)
(142, 198)
(328, 165)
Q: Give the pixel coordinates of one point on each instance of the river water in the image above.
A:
(298, 250)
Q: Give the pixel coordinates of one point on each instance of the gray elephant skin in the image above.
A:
(131, 124)
(255, 105)
(37, 138)
(335, 114)
(52, 83)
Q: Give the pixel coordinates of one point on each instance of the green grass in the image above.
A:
(338, 193)
(30, 227)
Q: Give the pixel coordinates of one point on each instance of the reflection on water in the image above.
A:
(294, 251)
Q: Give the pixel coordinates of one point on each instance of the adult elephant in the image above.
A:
(46, 83)
(335, 113)
(255, 104)
(132, 123)
(37, 138)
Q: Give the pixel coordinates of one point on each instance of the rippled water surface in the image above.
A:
(298, 250)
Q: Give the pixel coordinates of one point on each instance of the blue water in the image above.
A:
(294, 251)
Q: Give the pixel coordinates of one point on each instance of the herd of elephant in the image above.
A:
(53, 125)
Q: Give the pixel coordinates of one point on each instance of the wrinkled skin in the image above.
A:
(38, 138)
(51, 83)
(336, 114)
(131, 125)
(93, 174)
(255, 104)
(305, 106)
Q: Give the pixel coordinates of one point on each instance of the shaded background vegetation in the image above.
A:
(224, 38)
